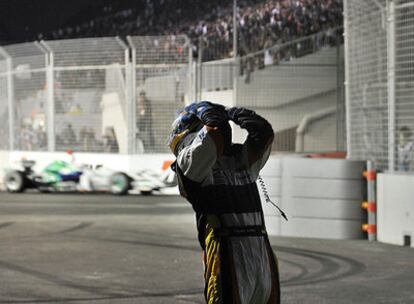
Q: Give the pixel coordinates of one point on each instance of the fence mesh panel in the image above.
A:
(93, 94)
(297, 86)
(4, 107)
(404, 89)
(27, 77)
(109, 95)
(379, 64)
(161, 71)
(89, 86)
(367, 91)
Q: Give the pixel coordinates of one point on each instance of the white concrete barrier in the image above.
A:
(321, 197)
(4, 162)
(395, 208)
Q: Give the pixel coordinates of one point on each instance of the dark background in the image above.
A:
(22, 20)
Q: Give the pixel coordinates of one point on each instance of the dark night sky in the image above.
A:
(21, 20)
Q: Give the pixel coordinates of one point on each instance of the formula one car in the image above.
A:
(61, 176)
(57, 176)
(147, 181)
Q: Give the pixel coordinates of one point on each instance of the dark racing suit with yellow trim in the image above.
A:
(240, 266)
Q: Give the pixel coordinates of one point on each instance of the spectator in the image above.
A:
(110, 141)
(260, 23)
(91, 142)
(68, 135)
(76, 110)
(144, 122)
(405, 148)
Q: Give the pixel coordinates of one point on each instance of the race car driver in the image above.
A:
(219, 179)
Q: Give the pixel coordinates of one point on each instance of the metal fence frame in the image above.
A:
(15, 58)
(89, 48)
(173, 59)
(213, 77)
(194, 78)
(379, 72)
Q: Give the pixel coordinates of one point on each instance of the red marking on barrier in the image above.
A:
(369, 206)
(369, 228)
(166, 164)
(372, 207)
(370, 175)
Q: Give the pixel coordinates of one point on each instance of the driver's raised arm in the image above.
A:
(260, 136)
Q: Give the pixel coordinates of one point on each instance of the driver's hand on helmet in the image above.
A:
(210, 114)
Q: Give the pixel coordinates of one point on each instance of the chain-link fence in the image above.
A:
(93, 94)
(379, 77)
(297, 86)
(404, 85)
(367, 91)
(89, 94)
(161, 74)
(115, 96)
(5, 79)
(23, 96)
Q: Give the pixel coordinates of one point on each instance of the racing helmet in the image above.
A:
(184, 129)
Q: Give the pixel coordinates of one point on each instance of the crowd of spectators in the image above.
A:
(261, 23)
(29, 138)
(85, 140)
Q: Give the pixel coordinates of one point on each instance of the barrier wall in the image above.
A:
(321, 197)
(4, 161)
(395, 208)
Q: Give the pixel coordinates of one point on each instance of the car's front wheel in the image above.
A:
(120, 183)
(14, 181)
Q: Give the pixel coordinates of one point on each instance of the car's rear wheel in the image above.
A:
(120, 183)
(14, 182)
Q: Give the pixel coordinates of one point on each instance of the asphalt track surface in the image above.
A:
(65, 248)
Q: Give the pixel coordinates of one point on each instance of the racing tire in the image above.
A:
(145, 192)
(14, 182)
(120, 183)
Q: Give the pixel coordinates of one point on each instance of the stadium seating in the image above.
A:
(261, 23)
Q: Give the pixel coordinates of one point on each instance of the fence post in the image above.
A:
(132, 63)
(10, 97)
(200, 69)
(190, 72)
(130, 100)
(391, 84)
(130, 103)
(339, 102)
(50, 83)
(346, 83)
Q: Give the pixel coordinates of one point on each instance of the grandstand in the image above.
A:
(261, 23)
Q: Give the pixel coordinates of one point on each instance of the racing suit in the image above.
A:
(240, 266)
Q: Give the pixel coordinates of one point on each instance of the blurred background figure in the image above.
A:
(69, 136)
(144, 122)
(110, 141)
(405, 148)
